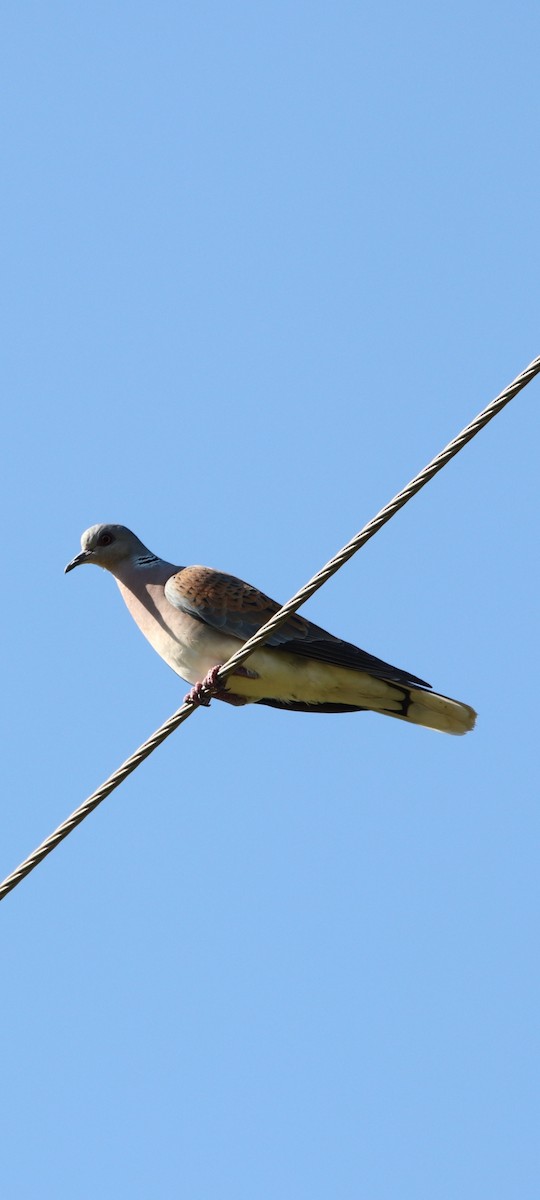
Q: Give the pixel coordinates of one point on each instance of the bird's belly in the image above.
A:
(192, 650)
(195, 655)
(278, 675)
(273, 674)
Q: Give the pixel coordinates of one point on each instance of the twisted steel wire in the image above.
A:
(385, 514)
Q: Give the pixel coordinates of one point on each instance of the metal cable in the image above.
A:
(274, 623)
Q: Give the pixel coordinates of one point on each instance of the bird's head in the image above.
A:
(107, 546)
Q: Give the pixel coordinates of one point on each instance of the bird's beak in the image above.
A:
(83, 557)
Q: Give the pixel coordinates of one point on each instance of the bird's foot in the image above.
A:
(203, 691)
(207, 689)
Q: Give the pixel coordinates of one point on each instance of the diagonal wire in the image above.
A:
(343, 555)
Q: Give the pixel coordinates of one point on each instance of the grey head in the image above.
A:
(109, 545)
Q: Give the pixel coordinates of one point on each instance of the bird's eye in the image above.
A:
(105, 539)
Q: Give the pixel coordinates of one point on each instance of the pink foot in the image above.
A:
(203, 691)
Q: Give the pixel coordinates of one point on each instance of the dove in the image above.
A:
(197, 617)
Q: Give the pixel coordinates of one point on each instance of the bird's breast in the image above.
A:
(189, 646)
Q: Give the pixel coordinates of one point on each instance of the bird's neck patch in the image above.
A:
(146, 560)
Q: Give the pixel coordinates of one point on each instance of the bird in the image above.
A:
(197, 617)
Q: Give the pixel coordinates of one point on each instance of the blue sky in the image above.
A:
(260, 263)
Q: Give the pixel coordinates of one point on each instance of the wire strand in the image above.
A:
(385, 514)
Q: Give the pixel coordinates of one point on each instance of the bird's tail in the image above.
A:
(430, 709)
(416, 705)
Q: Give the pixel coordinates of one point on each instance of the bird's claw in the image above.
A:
(202, 692)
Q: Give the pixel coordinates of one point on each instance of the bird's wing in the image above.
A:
(236, 608)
